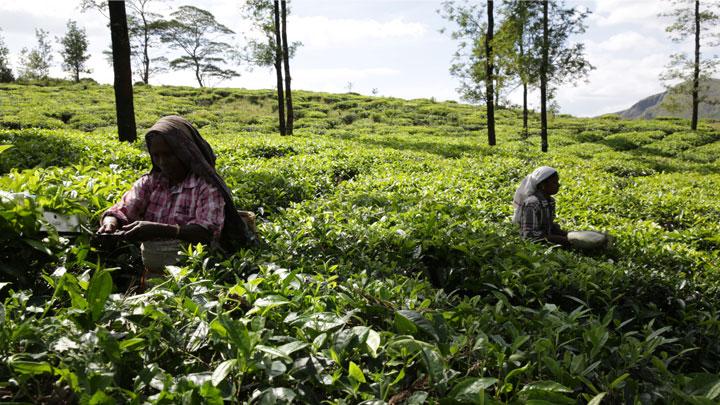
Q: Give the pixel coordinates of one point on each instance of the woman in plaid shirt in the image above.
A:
(181, 199)
(535, 206)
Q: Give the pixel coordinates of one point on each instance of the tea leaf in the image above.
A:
(98, 291)
(597, 399)
(222, 371)
(417, 320)
(356, 373)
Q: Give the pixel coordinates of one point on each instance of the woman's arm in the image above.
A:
(532, 226)
(131, 206)
(558, 239)
(558, 236)
(145, 230)
(531, 221)
(556, 230)
(203, 227)
(210, 210)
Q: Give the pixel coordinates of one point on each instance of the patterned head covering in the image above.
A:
(194, 151)
(528, 186)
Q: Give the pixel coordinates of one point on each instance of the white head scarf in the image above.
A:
(528, 186)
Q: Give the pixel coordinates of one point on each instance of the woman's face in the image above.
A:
(552, 185)
(163, 156)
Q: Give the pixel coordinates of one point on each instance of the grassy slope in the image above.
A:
(373, 192)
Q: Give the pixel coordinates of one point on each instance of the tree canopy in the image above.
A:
(73, 50)
(697, 20)
(198, 36)
(6, 74)
(35, 64)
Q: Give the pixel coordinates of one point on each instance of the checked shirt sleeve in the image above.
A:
(133, 203)
(531, 224)
(210, 210)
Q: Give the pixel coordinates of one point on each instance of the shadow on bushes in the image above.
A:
(448, 151)
(32, 148)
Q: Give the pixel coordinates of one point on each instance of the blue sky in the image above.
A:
(394, 46)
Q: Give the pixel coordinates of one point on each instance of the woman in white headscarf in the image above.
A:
(535, 206)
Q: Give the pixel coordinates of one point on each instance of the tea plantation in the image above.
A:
(389, 271)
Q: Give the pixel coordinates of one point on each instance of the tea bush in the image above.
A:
(389, 271)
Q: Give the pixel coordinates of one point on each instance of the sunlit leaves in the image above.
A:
(98, 291)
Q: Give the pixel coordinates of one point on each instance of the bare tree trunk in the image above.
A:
(286, 61)
(146, 57)
(197, 73)
(278, 68)
(489, 79)
(123, 73)
(497, 92)
(525, 108)
(524, 84)
(696, 73)
(543, 80)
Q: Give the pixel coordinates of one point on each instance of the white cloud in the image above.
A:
(324, 32)
(635, 12)
(629, 41)
(615, 85)
(43, 8)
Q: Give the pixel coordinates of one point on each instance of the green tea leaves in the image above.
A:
(99, 289)
(409, 322)
(222, 371)
(356, 373)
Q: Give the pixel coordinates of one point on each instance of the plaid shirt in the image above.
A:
(537, 219)
(152, 198)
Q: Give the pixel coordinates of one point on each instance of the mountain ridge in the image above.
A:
(677, 105)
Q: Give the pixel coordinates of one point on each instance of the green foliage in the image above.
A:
(389, 271)
(6, 74)
(74, 48)
(697, 20)
(144, 29)
(516, 46)
(197, 34)
(35, 63)
(264, 53)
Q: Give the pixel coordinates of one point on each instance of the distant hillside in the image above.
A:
(674, 106)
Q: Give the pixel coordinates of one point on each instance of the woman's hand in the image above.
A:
(109, 225)
(559, 240)
(146, 230)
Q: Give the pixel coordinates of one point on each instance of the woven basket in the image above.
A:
(156, 254)
(588, 239)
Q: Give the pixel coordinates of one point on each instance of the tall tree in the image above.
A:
(278, 68)
(197, 34)
(514, 47)
(474, 59)
(700, 23)
(273, 50)
(123, 72)
(35, 64)
(286, 61)
(6, 74)
(144, 31)
(543, 77)
(489, 92)
(561, 61)
(73, 50)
